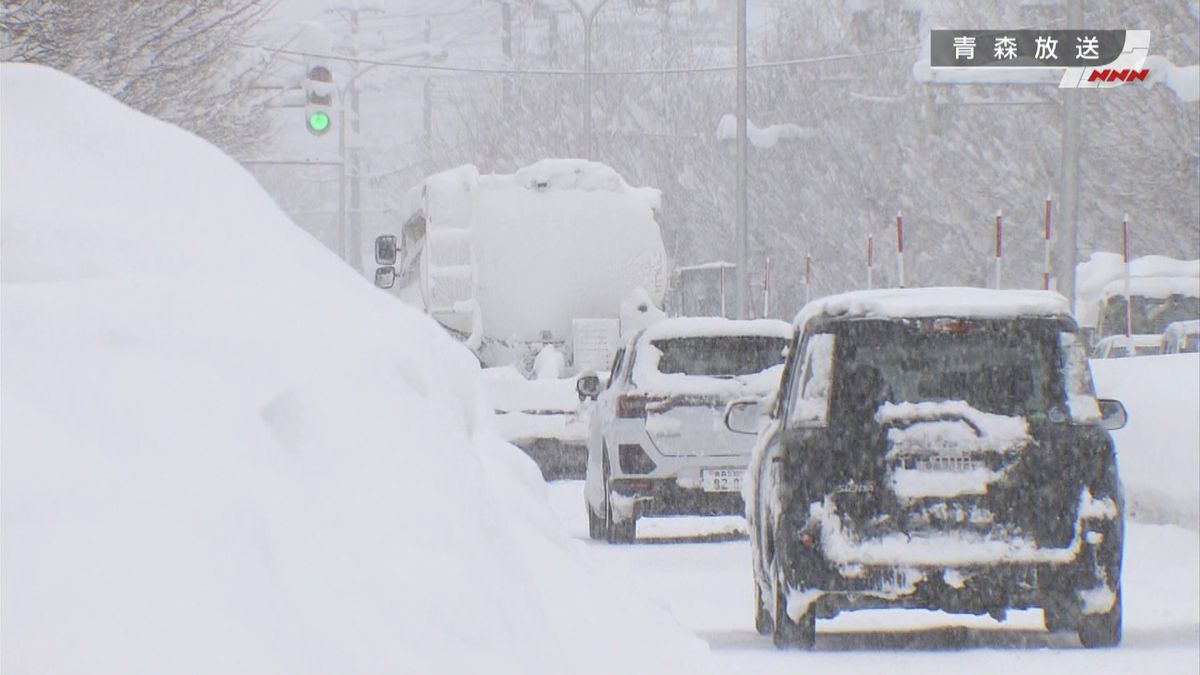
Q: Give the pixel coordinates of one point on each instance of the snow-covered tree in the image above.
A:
(177, 61)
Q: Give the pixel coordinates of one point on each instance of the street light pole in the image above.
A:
(743, 239)
(587, 15)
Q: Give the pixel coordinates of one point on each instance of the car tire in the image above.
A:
(762, 618)
(1060, 614)
(788, 634)
(624, 532)
(596, 529)
(1102, 630)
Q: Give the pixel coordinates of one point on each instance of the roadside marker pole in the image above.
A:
(1125, 256)
(900, 246)
(870, 259)
(767, 290)
(999, 249)
(1046, 262)
(807, 278)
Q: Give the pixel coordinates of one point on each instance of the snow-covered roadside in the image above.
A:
(1159, 450)
(225, 452)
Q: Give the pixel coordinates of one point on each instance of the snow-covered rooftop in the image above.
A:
(977, 303)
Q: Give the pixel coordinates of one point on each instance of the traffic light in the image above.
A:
(318, 108)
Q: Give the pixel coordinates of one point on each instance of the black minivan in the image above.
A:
(938, 448)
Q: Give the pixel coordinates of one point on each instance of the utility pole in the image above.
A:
(743, 238)
(427, 107)
(354, 245)
(588, 15)
(1069, 174)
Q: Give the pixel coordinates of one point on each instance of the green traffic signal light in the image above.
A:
(318, 122)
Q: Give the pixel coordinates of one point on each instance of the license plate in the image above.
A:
(949, 464)
(721, 480)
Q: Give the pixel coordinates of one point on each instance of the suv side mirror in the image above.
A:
(385, 277)
(1112, 414)
(742, 416)
(588, 386)
(385, 249)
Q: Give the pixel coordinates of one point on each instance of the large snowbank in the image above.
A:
(224, 452)
(1159, 450)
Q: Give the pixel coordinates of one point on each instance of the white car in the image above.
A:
(658, 445)
(1120, 346)
(1181, 337)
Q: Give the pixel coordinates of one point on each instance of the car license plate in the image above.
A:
(721, 480)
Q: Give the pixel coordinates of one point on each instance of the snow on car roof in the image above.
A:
(895, 303)
(1183, 327)
(1155, 287)
(1137, 340)
(715, 326)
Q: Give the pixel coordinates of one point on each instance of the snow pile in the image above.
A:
(971, 303)
(761, 137)
(1158, 449)
(224, 452)
(953, 426)
(1183, 80)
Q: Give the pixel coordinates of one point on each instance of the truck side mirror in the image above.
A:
(385, 250)
(588, 386)
(385, 277)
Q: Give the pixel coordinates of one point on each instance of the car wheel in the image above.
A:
(616, 533)
(1102, 630)
(788, 634)
(1060, 613)
(762, 618)
(595, 524)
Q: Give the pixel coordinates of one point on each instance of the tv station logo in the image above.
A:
(1092, 59)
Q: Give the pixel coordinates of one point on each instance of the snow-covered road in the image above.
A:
(700, 570)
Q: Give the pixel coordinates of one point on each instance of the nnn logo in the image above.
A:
(1114, 75)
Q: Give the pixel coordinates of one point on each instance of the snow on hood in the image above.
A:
(225, 452)
(967, 303)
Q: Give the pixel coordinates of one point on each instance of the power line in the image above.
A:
(560, 72)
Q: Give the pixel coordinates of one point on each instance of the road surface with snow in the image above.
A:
(700, 570)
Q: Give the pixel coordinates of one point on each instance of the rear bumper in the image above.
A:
(668, 498)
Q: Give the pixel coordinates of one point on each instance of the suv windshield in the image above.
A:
(1005, 367)
(719, 356)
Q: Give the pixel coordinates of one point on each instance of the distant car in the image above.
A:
(1120, 346)
(541, 417)
(1181, 337)
(657, 445)
(939, 449)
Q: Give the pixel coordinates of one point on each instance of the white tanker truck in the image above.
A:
(537, 263)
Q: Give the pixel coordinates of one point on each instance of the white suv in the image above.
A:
(657, 444)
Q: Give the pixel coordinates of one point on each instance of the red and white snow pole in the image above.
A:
(900, 246)
(1046, 261)
(1125, 257)
(999, 243)
(870, 260)
(807, 278)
